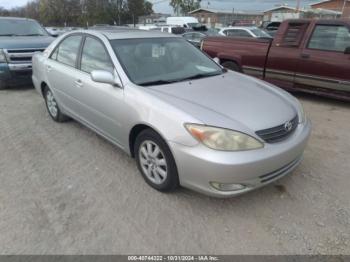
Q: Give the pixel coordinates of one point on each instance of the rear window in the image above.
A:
(294, 34)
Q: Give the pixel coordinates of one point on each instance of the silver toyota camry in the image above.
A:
(186, 120)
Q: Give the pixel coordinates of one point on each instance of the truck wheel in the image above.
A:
(2, 85)
(155, 161)
(231, 66)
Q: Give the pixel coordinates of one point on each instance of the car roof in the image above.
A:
(129, 34)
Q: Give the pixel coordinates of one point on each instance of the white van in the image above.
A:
(183, 21)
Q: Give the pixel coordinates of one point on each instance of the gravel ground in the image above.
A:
(65, 190)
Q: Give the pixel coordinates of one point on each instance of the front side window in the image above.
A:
(67, 51)
(95, 56)
(150, 61)
(20, 27)
(330, 38)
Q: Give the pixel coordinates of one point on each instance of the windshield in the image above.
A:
(12, 27)
(153, 61)
(260, 33)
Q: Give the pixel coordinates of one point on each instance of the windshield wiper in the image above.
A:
(33, 35)
(199, 76)
(9, 35)
(157, 82)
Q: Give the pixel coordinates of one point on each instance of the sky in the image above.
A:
(163, 7)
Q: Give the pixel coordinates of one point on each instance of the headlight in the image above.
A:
(301, 112)
(2, 56)
(223, 139)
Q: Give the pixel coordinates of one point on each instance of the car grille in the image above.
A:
(279, 133)
(280, 172)
(21, 55)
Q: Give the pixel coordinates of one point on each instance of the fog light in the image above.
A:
(227, 187)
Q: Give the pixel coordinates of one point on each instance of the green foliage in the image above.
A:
(82, 12)
(184, 6)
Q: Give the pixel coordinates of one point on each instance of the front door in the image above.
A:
(103, 103)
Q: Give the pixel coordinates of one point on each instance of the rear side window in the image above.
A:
(330, 38)
(95, 56)
(67, 51)
(238, 33)
(294, 34)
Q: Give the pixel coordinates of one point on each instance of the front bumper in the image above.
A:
(199, 166)
(15, 74)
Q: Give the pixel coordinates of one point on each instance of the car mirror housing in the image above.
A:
(347, 51)
(105, 77)
(216, 60)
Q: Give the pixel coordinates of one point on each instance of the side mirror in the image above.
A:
(105, 77)
(216, 60)
(347, 51)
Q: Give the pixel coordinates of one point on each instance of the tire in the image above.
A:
(2, 86)
(52, 107)
(231, 66)
(158, 170)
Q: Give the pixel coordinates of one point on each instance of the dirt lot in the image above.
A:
(65, 190)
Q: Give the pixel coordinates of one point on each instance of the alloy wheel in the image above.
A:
(153, 162)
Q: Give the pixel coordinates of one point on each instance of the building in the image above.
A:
(219, 18)
(341, 6)
(281, 13)
(153, 19)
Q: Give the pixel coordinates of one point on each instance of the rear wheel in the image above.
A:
(231, 66)
(155, 161)
(52, 106)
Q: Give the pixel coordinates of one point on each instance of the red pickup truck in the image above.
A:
(306, 55)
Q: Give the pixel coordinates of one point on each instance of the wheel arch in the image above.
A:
(135, 131)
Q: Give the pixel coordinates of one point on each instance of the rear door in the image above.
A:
(323, 65)
(284, 54)
(61, 70)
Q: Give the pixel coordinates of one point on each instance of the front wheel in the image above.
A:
(2, 86)
(52, 106)
(156, 162)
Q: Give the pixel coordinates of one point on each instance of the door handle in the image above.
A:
(305, 56)
(48, 68)
(78, 83)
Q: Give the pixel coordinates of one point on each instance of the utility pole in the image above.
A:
(342, 11)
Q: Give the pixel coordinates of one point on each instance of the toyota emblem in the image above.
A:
(288, 126)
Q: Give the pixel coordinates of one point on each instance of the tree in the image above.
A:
(184, 6)
(137, 8)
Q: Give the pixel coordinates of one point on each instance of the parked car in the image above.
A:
(311, 56)
(20, 38)
(196, 37)
(244, 31)
(170, 29)
(185, 119)
(271, 27)
(183, 21)
(55, 31)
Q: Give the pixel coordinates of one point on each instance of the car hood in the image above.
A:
(18, 42)
(231, 100)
